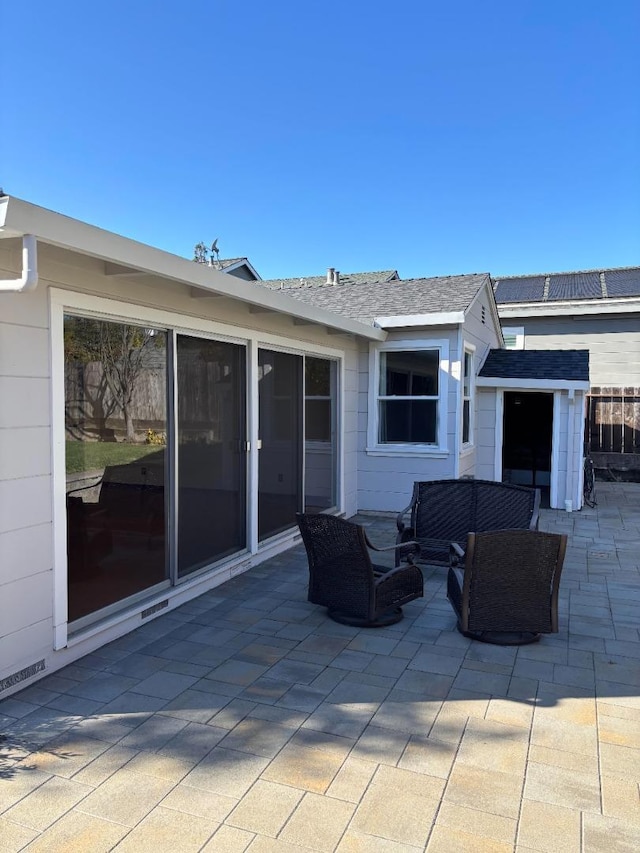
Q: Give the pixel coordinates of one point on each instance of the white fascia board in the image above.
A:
(18, 217)
(629, 305)
(406, 321)
(531, 384)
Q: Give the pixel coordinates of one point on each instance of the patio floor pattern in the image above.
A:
(247, 720)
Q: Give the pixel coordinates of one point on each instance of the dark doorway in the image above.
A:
(526, 439)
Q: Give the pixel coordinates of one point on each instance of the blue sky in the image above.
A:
(433, 138)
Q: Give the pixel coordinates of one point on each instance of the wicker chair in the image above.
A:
(508, 591)
(444, 511)
(343, 578)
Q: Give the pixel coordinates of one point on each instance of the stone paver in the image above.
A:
(246, 720)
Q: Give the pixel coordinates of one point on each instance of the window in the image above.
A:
(513, 337)
(467, 397)
(408, 396)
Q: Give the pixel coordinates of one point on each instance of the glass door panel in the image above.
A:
(115, 378)
(320, 459)
(212, 474)
(280, 395)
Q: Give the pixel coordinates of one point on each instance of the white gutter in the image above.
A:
(29, 278)
(442, 318)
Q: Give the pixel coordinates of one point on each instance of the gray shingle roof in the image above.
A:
(369, 299)
(537, 364)
(569, 286)
(229, 262)
(319, 280)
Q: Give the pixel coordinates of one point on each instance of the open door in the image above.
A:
(527, 439)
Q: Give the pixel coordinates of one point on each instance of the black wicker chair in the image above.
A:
(343, 578)
(508, 591)
(444, 511)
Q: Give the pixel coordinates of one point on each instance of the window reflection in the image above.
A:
(116, 423)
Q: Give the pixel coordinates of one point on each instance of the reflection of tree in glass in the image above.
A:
(317, 377)
(121, 350)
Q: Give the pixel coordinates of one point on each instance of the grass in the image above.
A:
(90, 455)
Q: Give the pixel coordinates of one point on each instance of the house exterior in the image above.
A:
(161, 421)
(598, 311)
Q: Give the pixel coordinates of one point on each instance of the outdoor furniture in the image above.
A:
(444, 511)
(343, 578)
(508, 591)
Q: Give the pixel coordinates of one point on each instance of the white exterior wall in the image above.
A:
(481, 336)
(32, 581)
(486, 434)
(26, 626)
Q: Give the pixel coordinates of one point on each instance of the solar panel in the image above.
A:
(529, 289)
(575, 285)
(623, 282)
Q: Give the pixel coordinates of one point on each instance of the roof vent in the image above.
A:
(330, 273)
(336, 277)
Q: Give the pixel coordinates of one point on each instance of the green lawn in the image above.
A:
(90, 455)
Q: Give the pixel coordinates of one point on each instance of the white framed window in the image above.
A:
(513, 337)
(407, 397)
(468, 392)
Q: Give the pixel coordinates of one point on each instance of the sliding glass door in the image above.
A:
(320, 434)
(280, 395)
(115, 378)
(211, 451)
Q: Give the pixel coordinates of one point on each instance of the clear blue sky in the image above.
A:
(431, 137)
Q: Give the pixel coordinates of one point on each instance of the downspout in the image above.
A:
(29, 278)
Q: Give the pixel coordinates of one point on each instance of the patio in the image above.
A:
(247, 720)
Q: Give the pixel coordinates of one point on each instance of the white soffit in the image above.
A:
(18, 217)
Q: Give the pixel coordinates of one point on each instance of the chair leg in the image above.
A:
(390, 617)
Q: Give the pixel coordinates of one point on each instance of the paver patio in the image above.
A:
(247, 720)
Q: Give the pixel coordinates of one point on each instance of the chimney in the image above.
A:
(336, 277)
(330, 273)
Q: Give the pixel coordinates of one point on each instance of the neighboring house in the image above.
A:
(238, 267)
(598, 311)
(162, 421)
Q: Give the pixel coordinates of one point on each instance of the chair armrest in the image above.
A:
(456, 554)
(400, 519)
(390, 547)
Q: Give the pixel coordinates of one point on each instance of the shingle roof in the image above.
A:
(229, 262)
(569, 286)
(369, 299)
(537, 364)
(319, 280)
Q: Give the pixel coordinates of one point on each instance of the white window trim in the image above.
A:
(518, 331)
(374, 447)
(468, 445)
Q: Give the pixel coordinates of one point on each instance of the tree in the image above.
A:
(201, 253)
(121, 351)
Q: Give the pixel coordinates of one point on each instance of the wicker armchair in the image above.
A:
(444, 511)
(343, 578)
(508, 591)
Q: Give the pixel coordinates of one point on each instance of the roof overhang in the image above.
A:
(406, 321)
(129, 257)
(513, 382)
(628, 305)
